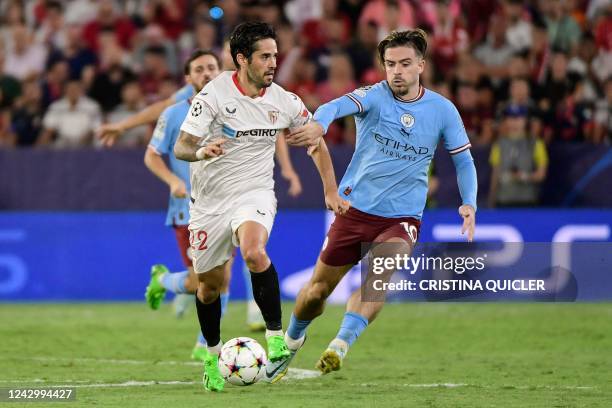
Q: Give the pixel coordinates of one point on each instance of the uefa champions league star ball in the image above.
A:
(242, 361)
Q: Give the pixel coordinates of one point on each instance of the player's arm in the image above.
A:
(160, 144)
(190, 145)
(157, 166)
(109, 132)
(188, 148)
(458, 145)
(322, 160)
(287, 171)
(349, 104)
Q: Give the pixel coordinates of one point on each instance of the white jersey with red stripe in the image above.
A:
(251, 127)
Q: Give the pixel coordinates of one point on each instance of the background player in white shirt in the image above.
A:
(230, 135)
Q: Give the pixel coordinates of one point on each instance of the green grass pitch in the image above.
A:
(421, 355)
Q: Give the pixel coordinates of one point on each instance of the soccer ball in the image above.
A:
(242, 361)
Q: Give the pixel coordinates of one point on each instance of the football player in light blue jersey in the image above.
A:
(399, 124)
(200, 68)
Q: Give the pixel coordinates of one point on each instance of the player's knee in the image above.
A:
(208, 294)
(255, 258)
(317, 292)
(191, 284)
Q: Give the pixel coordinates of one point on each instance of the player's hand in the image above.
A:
(178, 188)
(469, 221)
(307, 135)
(295, 185)
(335, 203)
(213, 149)
(109, 133)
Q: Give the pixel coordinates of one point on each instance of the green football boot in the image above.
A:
(212, 380)
(155, 291)
(277, 348)
(199, 353)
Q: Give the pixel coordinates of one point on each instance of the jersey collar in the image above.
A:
(235, 79)
(419, 95)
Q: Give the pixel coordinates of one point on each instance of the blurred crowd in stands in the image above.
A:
(537, 68)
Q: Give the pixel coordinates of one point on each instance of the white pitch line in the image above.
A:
(293, 374)
(510, 387)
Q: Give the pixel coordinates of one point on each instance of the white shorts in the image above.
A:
(213, 237)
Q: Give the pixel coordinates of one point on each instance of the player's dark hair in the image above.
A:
(197, 54)
(244, 37)
(416, 39)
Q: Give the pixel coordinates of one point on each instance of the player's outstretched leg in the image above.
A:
(266, 289)
(254, 318)
(309, 305)
(200, 350)
(365, 303)
(163, 280)
(155, 292)
(353, 324)
(208, 306)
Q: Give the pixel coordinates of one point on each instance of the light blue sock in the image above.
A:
(246, 274)
(352, 326)
(201, 340)
(297, 327)
(224, 302)
(174, 282)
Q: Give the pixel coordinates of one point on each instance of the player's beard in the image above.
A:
(402, 88)
(201, 85)
(260, 81)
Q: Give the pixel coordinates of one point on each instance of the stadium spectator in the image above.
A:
(603, 116)
(132, 102)
(7, 137)
(107, 18)
(362, 49)
(155, 70)
(519, 162)
(519, 30)
(73, 52)
(52, 30)
(495, 53)
(388, 15)
(71, 121)
(449, 39)
(563, 30)
(53, 84)
(25, 57)
(153, 36)
(339, 82)
(28, 117)
(10, 87)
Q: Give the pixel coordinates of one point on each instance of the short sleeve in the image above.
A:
(160, 141)
(300, 115)
(202, 112)
(455, 137)
(184, 93)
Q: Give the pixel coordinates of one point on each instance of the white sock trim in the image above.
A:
(215, 349)
(270, 333)
(294, 344)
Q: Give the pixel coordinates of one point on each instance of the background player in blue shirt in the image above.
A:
(201, 67)
(399, 124)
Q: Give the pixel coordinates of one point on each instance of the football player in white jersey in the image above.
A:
(229, 136)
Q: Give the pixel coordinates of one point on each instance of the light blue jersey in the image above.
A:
(396, 141)
(164, 137)
(184, 93)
